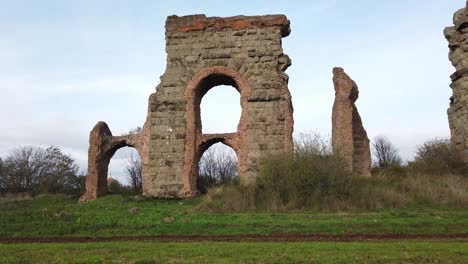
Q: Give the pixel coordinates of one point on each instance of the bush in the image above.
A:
(310, 181)
(115, 186)
(312, 178)
(437, 157)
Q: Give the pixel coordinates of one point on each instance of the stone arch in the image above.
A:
(197, 87)
(103, 146)
(211, 139)
(208, 141)
(205, 80)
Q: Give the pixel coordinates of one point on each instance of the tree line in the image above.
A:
(36, 170)
(40, 170)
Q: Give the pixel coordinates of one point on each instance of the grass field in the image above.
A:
(109, 216)
(149, 252)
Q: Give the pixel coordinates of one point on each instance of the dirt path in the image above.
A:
(242, 238)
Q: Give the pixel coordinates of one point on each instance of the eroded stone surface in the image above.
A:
(457, 36)
(243, 52)
(349, 138)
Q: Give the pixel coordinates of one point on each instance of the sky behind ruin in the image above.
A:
(64, 65)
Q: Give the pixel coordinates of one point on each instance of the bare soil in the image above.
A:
(242, 238)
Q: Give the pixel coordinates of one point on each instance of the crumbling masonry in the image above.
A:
(349, 138)
(457, 37)
(243, 52)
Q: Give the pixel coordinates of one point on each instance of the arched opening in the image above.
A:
(217, 166)
(196, 141)
(220, 110)
(221, 95)
(125, 171)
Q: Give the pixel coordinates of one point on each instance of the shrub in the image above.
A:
(114, 186)
(437, 157)
(310, 181)
(315, 179)
(311, 177)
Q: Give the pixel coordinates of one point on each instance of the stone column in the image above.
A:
(349, 138)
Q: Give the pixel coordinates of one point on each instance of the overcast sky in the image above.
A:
(64, 65)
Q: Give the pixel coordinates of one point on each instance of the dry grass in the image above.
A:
(14, 197)
(446, 190)
(352, 194)
(229, 198)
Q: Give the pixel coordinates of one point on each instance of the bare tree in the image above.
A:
(25, 167)
(2, 177)
(135, 130)
(133, 171)
(217, 167)
(385, 153)
(34, 169)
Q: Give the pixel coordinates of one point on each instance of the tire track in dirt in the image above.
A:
(242, 238)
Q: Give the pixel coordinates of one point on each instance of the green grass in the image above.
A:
(108, 216)
(322, 252)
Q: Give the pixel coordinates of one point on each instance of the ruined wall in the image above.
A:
(457, 37)
(202, 52)
(244, 52)
(349, 138)
(102, 146)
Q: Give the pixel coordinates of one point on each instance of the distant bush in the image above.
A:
(115, 187)
(437, 156)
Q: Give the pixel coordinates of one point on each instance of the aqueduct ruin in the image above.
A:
(457, 36)
(203, 52)
(349, 138)
(245, 53)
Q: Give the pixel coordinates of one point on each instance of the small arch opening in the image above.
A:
(125, 172)
(217, 166)
(220, 110)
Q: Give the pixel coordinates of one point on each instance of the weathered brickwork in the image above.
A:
(349, 138)
(244, 52)
(457, 37)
